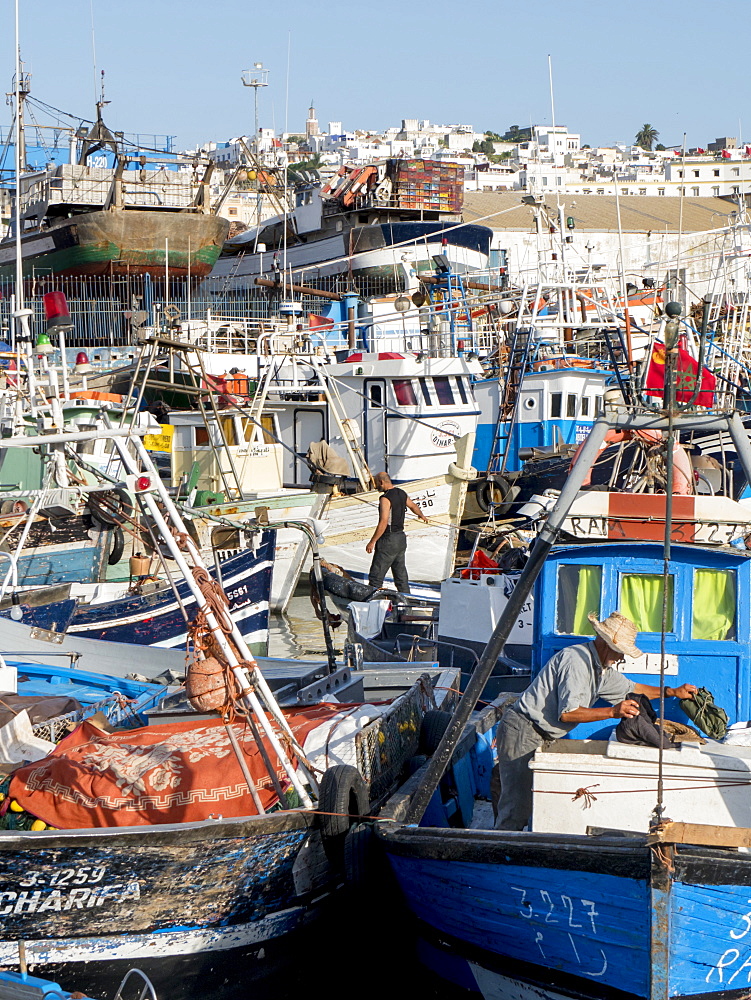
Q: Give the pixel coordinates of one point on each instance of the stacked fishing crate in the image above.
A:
(429, 185)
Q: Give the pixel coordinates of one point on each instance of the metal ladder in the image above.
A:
(199, 389)
(522, 345)
(337, 410)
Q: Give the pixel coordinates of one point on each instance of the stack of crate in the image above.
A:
(430, 185)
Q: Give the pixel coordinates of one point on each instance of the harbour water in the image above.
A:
(297, 632)
(360, 937)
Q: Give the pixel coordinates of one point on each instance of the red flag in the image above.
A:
(748, 150)
(726, 154)
(685, 377)
(316, 322)
(700, 152)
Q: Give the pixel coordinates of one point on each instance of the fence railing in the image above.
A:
(108, 311)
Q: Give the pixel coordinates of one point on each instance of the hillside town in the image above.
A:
(540, 159)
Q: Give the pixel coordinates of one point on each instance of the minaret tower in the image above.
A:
(311, 125)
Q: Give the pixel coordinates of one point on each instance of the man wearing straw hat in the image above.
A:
(560, 697)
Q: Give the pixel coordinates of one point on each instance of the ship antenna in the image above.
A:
(93, 49)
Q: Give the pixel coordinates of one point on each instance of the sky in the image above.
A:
(174, 66)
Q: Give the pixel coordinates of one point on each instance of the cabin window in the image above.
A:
(425, 391)
(86, 447)
(462, 390)
(404, 392)
(598, 406)
(571, 405)
(267, 428)
(267, 423)
(641, 601)
(443, 390)
(714, 604)
(248, 428)
(585, 406)
(228, 426)
(376, 395)
(555, 404)
(579, 589)
(202, 436)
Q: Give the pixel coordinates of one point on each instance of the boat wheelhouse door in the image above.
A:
(309, 426)
(374, 423)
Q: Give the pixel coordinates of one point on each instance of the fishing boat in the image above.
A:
(410, 412)
(138, 213)
(216, 835)
(359, 225)
(597, 885)
(623, 883)
(217, 895)
(159, 618)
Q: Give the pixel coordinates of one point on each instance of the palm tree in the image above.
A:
(646, 136)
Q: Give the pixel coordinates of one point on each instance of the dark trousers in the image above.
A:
(516, 740)
(390, 550)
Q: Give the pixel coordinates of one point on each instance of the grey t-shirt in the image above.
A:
(573, 678)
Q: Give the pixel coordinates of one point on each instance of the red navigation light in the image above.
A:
(56, 310)
(82, 363)
(143, 483)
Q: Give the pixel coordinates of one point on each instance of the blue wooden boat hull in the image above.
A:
(77, 564)
(538, 916)
(157, 619)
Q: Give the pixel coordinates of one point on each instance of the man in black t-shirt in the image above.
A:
(389, 540)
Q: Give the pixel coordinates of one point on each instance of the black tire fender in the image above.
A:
(123, 509)
(493, 491)
(118, 546)
(434, 724)
(342, 800)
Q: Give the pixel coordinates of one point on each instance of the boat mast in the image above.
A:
(21, 315)
(20, 93)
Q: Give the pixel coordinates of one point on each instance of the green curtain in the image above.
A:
(641, 601)
(714, 604)
(578, 593)
(588, 590)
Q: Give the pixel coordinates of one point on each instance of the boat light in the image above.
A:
(143, 483)
(43, 344)
(56, 311)
(83, 366)
(16, 611)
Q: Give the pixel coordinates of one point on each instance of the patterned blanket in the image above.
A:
(177, 773)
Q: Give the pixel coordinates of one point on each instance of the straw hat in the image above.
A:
(618, 632)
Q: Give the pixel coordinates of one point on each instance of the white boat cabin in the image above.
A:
(255, 455)
(410, 411)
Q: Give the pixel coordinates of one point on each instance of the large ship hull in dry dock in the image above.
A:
(372, 251)
(122, 242)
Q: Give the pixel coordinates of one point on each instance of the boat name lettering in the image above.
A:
(570, 914)
(445, 434)
(527, 909)
(424, 499)
(731, 955)
(236, 592)
(592, 526)
(36, 901)
(737, 934)
(75, 876)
